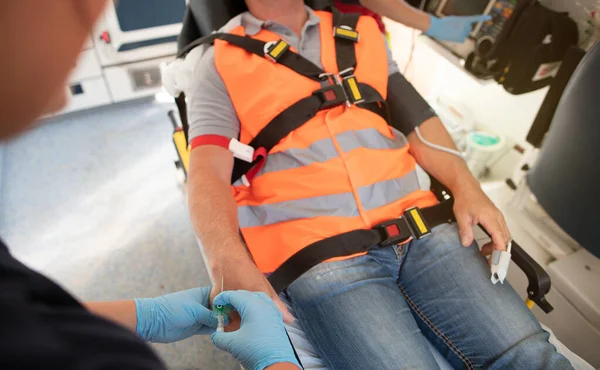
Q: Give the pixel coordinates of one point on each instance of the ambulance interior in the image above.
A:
(534, 152)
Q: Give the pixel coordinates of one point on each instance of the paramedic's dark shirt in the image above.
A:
(43, 327)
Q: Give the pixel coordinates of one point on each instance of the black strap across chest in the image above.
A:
(298, 114)
(344, 48)
(293, 61)
(305, 109)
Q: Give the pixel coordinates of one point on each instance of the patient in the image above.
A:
(345, 169)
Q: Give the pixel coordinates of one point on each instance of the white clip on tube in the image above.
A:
(500, 263)
(241, 151)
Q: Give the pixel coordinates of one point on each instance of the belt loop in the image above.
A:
(347, 72)
(326, 77)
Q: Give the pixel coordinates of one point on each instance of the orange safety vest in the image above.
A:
(344, 169)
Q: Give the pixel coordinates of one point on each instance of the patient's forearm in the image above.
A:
(214, 211)
(214, 214)
(449, 169)
(121, 312)
(399, 11)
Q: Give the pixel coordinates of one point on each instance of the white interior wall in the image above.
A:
(436, 73)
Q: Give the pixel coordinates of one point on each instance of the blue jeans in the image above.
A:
(378, 310)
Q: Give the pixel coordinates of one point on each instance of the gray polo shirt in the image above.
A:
(210, 110)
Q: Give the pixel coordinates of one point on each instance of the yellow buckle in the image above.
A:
(417, 222)
(351, 87)
(346, 32)
(275, 49)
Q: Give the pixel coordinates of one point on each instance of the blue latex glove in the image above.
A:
(261, 340)
(453, 28)
(175, 316)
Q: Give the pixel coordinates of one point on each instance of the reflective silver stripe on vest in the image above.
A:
(319, 151)
(328, 205)
(344, 205)
(369, 138)
(389, 191)
(324, 150)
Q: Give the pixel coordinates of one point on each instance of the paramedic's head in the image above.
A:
(39, 43)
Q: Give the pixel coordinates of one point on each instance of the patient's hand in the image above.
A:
(472, 207)
(247, 278)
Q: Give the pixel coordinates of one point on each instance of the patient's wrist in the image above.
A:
(234, 268)
(464, 184)
(229, 257)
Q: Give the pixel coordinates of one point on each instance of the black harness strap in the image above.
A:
(297, 115)
(347, 244)
(344, 48)
(284, 123)
(182, 107)
(305, 109)
(291, 60)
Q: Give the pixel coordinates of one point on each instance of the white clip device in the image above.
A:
(245, 180)
(500, 263)
(241, 151)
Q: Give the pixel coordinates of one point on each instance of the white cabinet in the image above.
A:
(87, 94)
(87, 67)
(121, 60)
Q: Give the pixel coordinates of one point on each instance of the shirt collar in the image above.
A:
(253, 25)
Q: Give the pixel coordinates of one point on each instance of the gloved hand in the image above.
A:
(453, 28)
(261, 340)
(175, 316)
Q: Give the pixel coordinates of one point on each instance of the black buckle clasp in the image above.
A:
(331, 96)
(343, 85)
(394, 232)
(400, 230)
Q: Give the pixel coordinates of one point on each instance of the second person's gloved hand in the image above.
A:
(175, 316)
(261, 340)
(453, 28)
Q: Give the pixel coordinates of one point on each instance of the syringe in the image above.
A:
(221, 311)
(220, 318)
